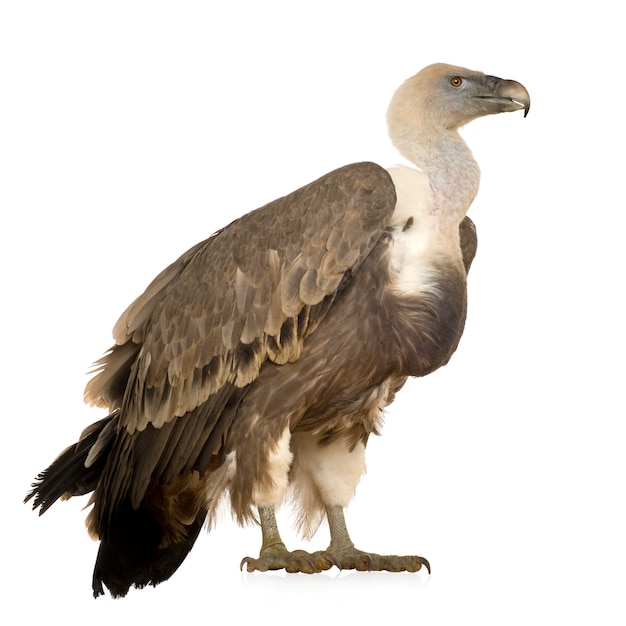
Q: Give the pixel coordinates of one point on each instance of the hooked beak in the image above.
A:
(507, 95)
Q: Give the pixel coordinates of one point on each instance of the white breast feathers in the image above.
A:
(423, 238)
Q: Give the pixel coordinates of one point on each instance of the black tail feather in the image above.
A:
(130, 553)
(67, 475)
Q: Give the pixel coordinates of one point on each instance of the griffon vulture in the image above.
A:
(258, 364)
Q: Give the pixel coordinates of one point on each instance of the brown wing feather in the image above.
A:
(238, 288)
(204, 327)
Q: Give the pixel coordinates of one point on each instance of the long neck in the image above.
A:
(453, 173)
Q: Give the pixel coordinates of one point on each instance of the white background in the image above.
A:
(132, 130)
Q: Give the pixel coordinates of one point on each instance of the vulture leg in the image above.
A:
(274, 555)
(342, 552)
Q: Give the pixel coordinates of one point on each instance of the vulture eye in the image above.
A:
(456, 81)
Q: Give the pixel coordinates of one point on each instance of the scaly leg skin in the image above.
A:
(274, 555)
(342, 552)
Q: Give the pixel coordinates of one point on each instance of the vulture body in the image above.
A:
(260, 361)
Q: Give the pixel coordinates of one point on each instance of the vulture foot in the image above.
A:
(351, 558)
(345, 556)
(276, 556)
(341, 553)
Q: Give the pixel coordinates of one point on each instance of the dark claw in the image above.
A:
(252, 565)
(322, 558)
(278, 557)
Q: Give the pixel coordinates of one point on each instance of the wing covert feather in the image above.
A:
(230, 302)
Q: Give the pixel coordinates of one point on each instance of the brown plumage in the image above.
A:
(263, 357)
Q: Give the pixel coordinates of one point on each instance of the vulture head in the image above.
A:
(444, 97)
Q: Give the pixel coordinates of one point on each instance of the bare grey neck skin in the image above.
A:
(453, 173)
